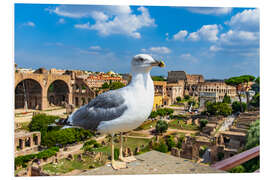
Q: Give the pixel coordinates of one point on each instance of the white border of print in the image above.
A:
(7, 80)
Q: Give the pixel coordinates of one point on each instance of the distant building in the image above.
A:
(175, 76)
(219, 88)
(191, 84)
(168, 92)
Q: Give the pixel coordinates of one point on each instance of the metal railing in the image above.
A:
(237, 159)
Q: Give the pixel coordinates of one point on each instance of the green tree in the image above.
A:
(186, 97)
(203, 123)
(40, 122)
(158, 78)
(238, 169)
(255, 100)
(164, 112)
(105, 86)
(161, 126)
(258, 80)
(218, 108)
(241, 83)
(236, 107)
(191, 102)
(253, 135)
(180, 140)
(153, 114)
(161, 147)
(227, 99)
(116, 85)
(170, 142)
(178, 99)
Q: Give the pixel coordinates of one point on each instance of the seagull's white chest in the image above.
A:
(139, 97)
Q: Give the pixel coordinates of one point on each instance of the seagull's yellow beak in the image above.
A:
(161, 64)
(158, 63)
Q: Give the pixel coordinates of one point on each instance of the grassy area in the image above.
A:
(137, 134)
(132, 143)
(180, 124)
(24, 126)
(65, 165)
(177, 105)
(146, 125)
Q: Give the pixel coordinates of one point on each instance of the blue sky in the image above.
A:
(215, 42)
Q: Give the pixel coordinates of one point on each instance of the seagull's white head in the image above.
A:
(144, 63)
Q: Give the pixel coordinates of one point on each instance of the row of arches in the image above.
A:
(29, 94)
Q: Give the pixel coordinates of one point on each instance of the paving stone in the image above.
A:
(154, 162)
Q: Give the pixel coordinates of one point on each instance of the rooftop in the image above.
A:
(154, 162)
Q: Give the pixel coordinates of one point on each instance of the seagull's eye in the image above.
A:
(141, 59)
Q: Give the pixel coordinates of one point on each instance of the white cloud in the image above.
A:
(160, 50)
(211, 10)
(243, 37)
(206, 32)
(61, 21)
(188, 57)
(83, 26)
(157, 50)
(180, 35)
(237, 37)
(95, 47)
(248, 20)
(109, 19)
(29, 23)
(214, 48)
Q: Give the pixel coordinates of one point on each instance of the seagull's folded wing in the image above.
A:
(105, 107)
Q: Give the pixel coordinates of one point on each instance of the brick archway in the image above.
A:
(45, 80)
(58, 93)
(28, 94)
(82, 93)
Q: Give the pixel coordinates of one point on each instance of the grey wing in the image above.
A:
(105, 107)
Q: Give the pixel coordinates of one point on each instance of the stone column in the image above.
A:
(23, 143)
(39, 139)
(31, 143)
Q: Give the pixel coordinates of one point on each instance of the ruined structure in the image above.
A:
(41, 89)
(217, 89)
(26, 142)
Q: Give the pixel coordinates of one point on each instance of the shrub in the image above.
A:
(180, 140)
(191, 102)
(40, 122)
(186, 97)
(153, 114)
(220, 156)
(203, 123)
(158, 78)
(255, 100)
(161, 126)
(64, 136)
(238, 169)
(116, 153)
(47, 153)
(253, 135)
(22, 160)
(202, 150)
(170, 142)
(164, 112)
(218, 108)
(178, 99)
(161, 147)
(236, 106)
(227, 99)
(89, 145)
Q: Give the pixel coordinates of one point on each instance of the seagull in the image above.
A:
(121, 110)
